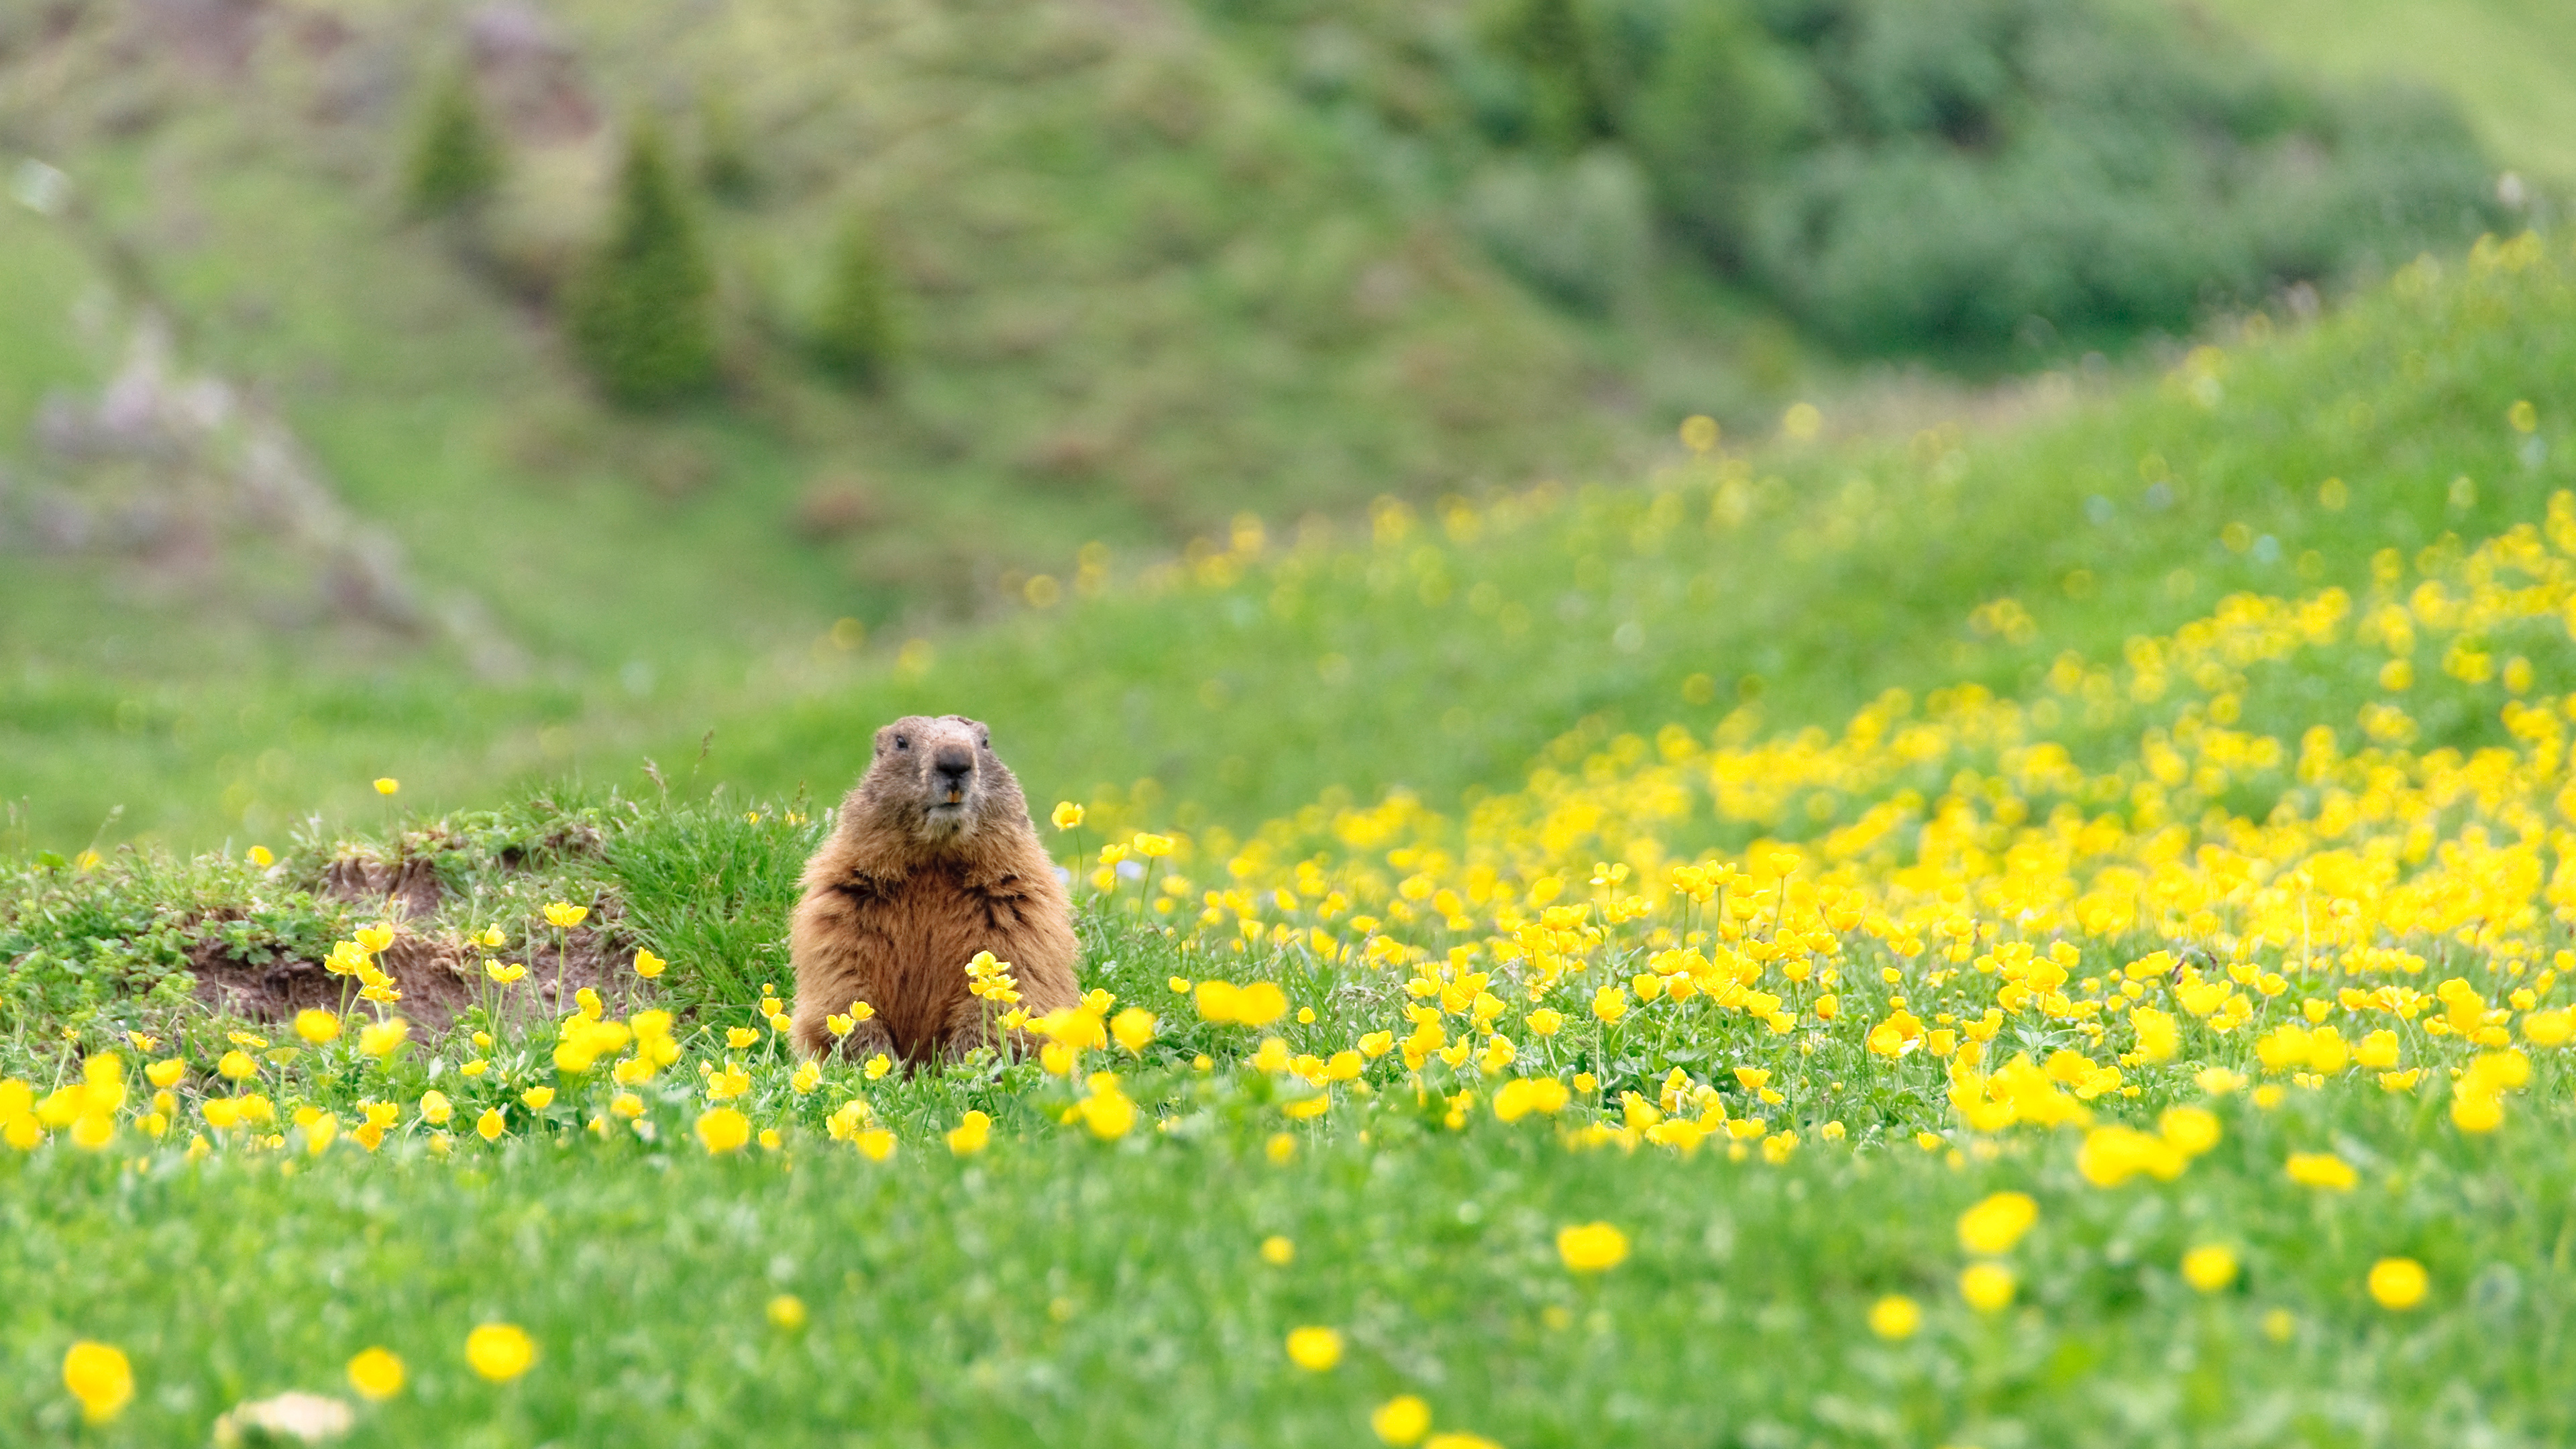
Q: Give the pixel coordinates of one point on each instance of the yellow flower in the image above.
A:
(740, 1037)
(648, 965)
(807, 1078)
(1987, 1287)
(1401, 1421)
(260, 856)
(1456, 1440)
(489, 1125)
(166, 1073)
(723, 1129)
(375, 939)
(500, 1351)
(1133, 1028)
(1314, 1349)
(474, 1068)
(238, 1066)
(381, 1039)
(1995, 1224)
(387, 784)
(2322, 1169)
(538, 1098)
(1277, 1251)
(1152, 847)
(1281, 1147)
(317, 1026)
(435, 1109)
(1895, 1316)
(564, 916)
(100, 1378)
(1067, 815)
(376, 1374)
(1591, 1247)
(1610, 1003)
(2476, 1111)
(970, 1135)
(2209, 1267)
(2398, 1283)
(787, 1313)
(1546, 1021)
(504, 974)
(874, 1143)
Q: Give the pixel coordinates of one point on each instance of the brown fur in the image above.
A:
(923, 869)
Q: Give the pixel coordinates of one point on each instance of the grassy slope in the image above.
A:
(1143, 292)
(470, 441)
(1856, 569)
(2508, 61)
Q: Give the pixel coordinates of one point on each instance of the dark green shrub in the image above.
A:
(642, 313)
(1953, 173)
(455, 159)
(854, 334)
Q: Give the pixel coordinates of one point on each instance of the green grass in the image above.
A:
(1071, 1293)
(2507, 61)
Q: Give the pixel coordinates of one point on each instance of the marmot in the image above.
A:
(933, 859)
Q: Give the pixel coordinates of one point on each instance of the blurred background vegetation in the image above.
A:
(466, 391)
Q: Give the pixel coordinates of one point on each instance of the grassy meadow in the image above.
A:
(2049, 933)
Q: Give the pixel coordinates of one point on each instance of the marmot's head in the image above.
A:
(936, 783)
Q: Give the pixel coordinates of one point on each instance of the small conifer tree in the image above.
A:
(854, 332)
(455, 159)
(642, 313)
(724, 159)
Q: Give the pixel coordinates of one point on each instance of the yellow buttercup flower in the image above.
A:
(376, 1374)
(500, 1351)
(1067, 815)
(722, 1129)
(1895, 1316)
(99, 1376)
(538, 1099)
(648, 965)
(1997, 1222)
(1987, 1287)
(787, 1312)
(505, 974)
(317, 1026)
(490, 1126)
(563, 915)
(387, 785)
(1314, 1349)
(2209, 1267)
(2322, 1169)
(1592, 1247)
(2398, 1283)
(1277, 1251)
(1401, 1421)
(969, 1136)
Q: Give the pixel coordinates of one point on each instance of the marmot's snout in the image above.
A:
(955, 766)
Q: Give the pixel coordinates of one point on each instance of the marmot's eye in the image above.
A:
(901, 743)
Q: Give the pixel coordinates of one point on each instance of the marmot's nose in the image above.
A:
(954, 761)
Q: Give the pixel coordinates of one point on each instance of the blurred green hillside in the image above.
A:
(1153, 272)
(2508, 61)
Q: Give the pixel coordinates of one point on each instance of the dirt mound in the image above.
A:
(438, 974)
(412, 883)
